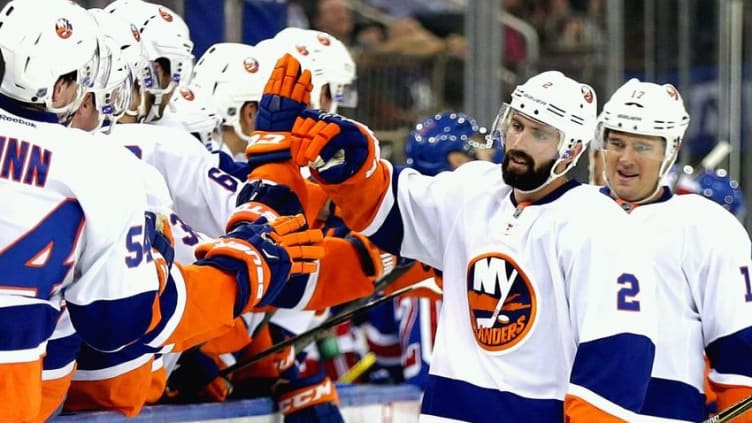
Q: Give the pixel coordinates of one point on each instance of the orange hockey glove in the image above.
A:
(337, 149)
(286, 94)
(262, 256)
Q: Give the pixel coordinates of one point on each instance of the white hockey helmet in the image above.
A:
(233, 74)
(556, 100)
(164, 36)
(112, 94)
(328, 60)
(646, 108)
(190, 109)
(124, 37)
(42, 41)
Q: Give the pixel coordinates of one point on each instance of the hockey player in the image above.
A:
(704, 291)
(65, 245)
(331, 65)
(283, 179)
(233, 76)
(167, 48)
(544, 315)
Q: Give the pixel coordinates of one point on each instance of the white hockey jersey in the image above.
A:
(202, 193)
(705, 300)
(69, 207)
(541, 303)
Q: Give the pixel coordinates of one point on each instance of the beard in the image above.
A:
(528, 179)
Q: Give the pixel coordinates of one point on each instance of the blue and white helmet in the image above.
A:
(429, 144)
(717, 185)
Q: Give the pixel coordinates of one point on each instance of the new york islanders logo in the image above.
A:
(302, 49)
(323, 39)
(187, 94)
(136, 34)
(251, 65)
(63, 28)
(165, 14)
(501, 300)
(672, 93)
(587, 94)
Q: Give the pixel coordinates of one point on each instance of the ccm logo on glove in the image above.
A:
(307, 397)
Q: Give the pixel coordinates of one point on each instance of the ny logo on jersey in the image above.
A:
(501, 300)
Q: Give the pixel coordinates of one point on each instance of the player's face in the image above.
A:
(531, 151)
(87, 116)
(65, 93)
(633, 162)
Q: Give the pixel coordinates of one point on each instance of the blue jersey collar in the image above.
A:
(553, 195)
(23, 110)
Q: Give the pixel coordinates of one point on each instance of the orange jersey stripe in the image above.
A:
(20, 385)
(126, 393)
(728, 395)
(53, 395)
(158, 385)
(577, 410)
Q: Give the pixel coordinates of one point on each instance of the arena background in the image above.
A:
(417, 57)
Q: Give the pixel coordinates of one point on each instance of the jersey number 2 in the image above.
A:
(625, 298)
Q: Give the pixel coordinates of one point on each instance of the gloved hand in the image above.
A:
(286, 94)
(310, 399)
(374, 262)
(259, 199)
(262, 256)
(337, 149)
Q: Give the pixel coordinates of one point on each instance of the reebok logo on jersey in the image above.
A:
(501, 301)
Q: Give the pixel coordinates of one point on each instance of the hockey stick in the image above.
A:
(732, 412)
(716, 155)
(710, 161)
(302, 340)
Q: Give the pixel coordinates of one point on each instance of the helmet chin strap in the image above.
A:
(154, 112)
(552, 175)
(239, 131)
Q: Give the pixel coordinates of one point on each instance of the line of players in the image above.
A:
(193, 194)
(115, 275)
